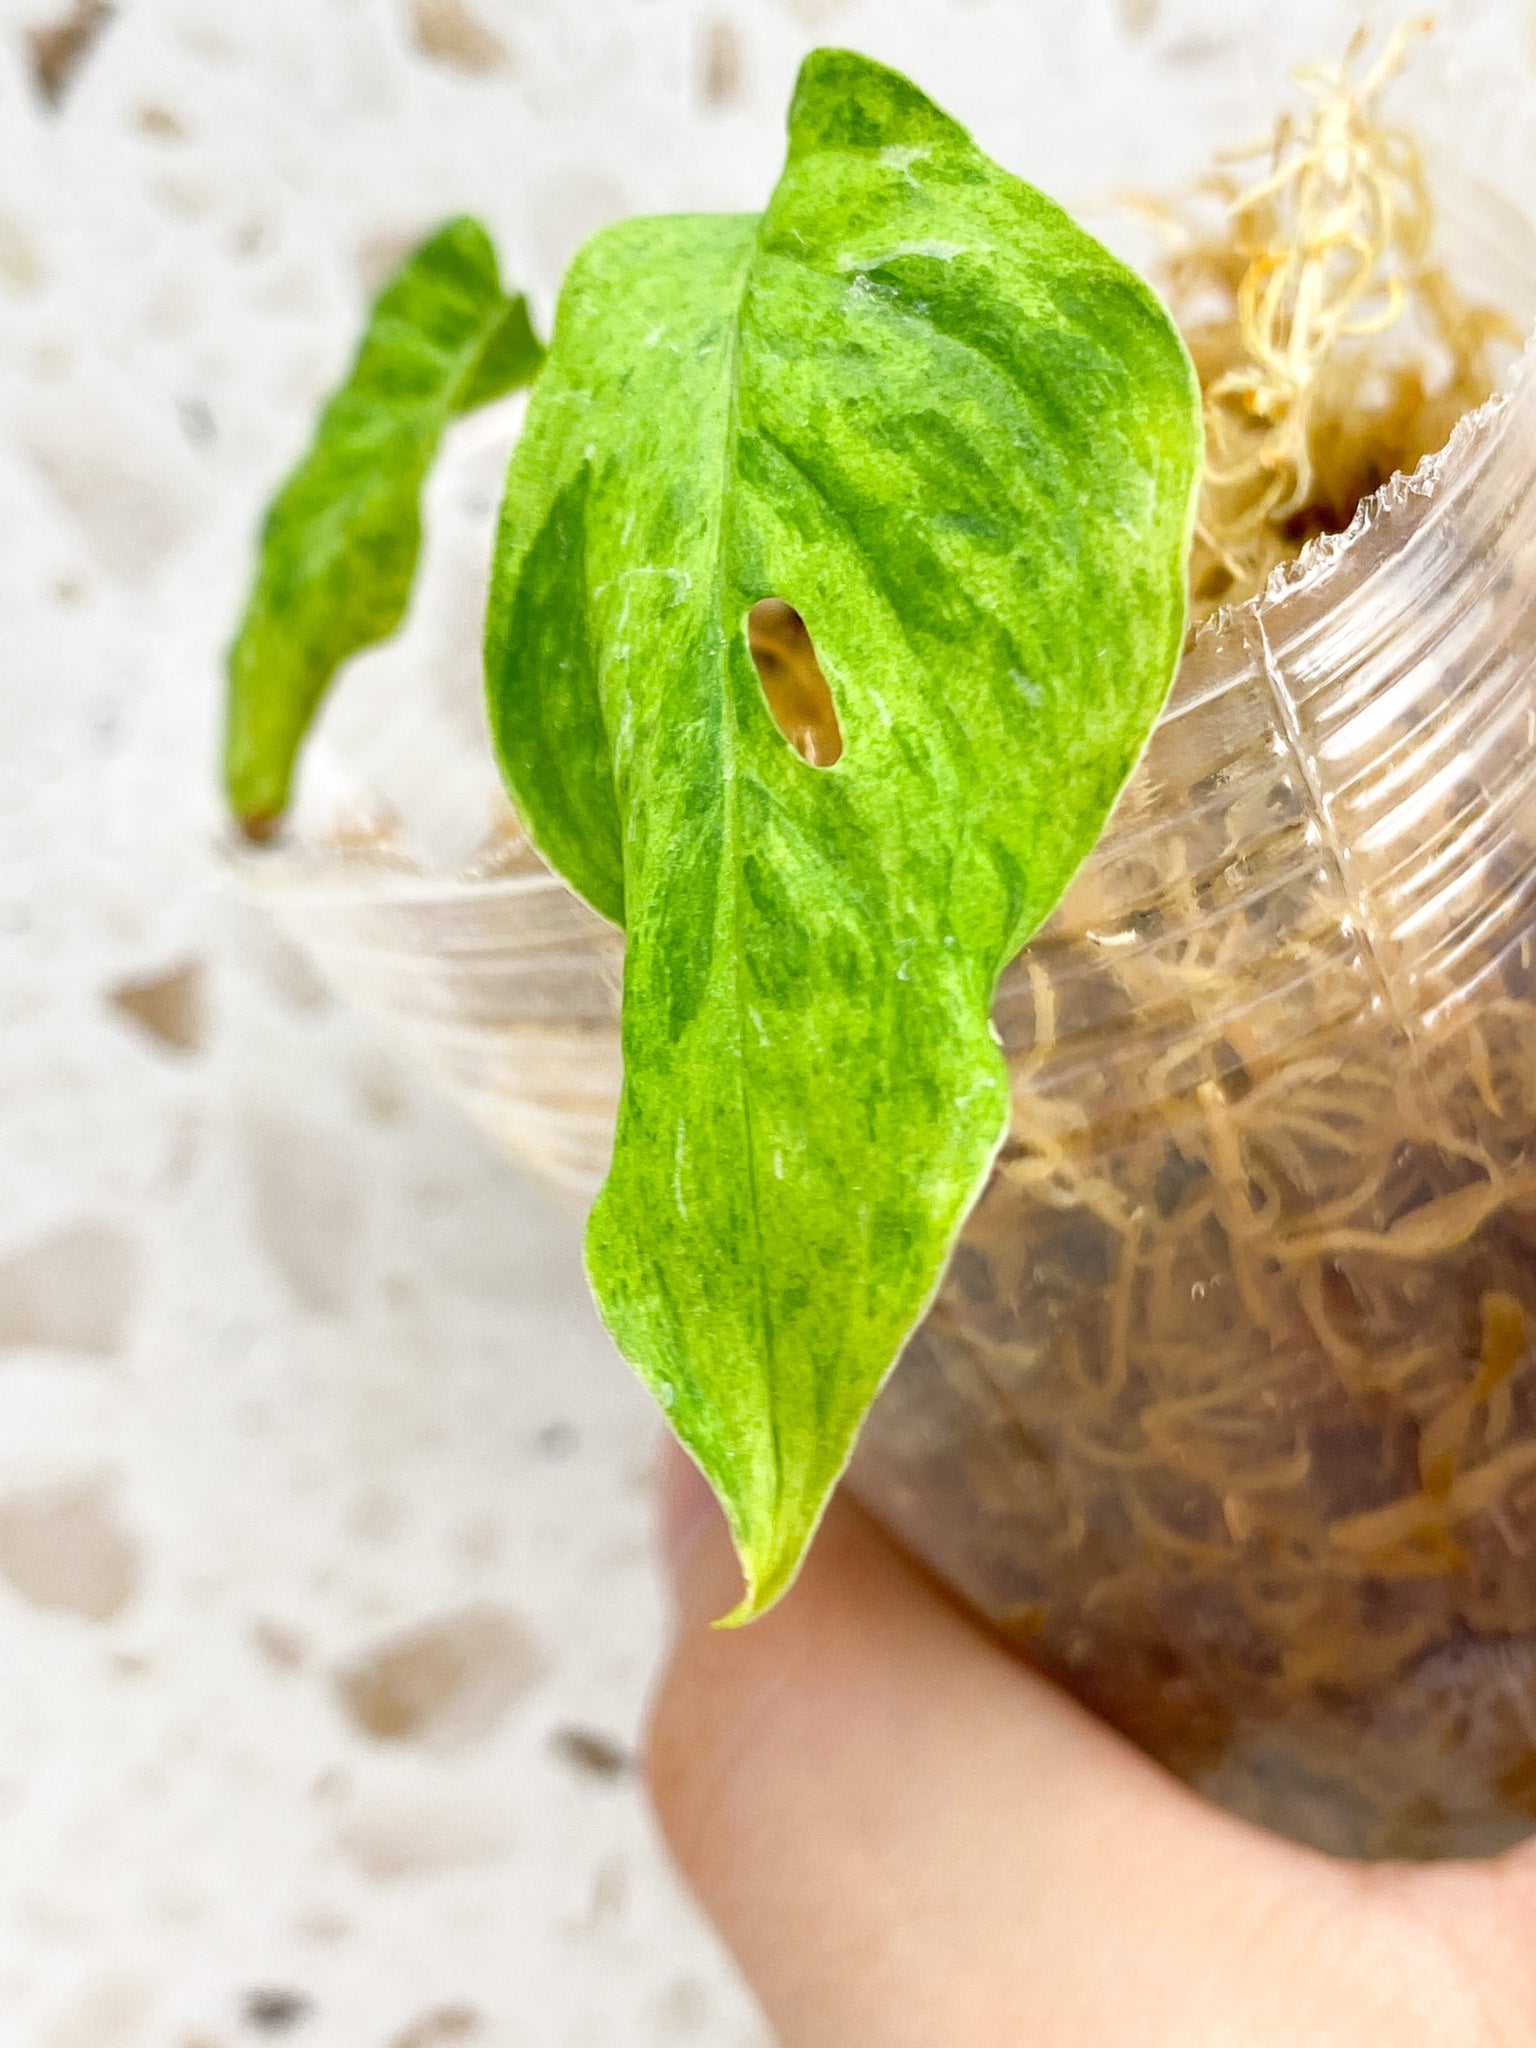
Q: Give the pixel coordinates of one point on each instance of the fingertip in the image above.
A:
(693, 1543)
(759, 1734)
(875, 1802)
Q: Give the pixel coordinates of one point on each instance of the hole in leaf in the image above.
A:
(793, 684)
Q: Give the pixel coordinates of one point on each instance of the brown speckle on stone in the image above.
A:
(277, 1644)
(276, 2011)
(66, 1549)
(682, 2010)
(448, 31)
(21, 262)
(448, 1681)
(74, 1290)
(445, 2024)
(163, 123)
(322, 1924)
(591, 1752)
(59, 47)
(610, 1893)
(380, 1087)
(170, 1007)
(557, 1440)
(721, 66)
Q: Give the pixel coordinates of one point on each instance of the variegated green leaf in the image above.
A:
(339, 547)
(917, 402)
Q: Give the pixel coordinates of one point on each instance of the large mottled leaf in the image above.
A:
(920, 405)
(339, 547)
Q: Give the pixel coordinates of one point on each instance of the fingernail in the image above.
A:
(685, 1510)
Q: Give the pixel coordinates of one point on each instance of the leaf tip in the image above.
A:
(758, 1597)
(260, 828)
(770, 1553)
(770, 1534)
(845, 100)
(256, 795)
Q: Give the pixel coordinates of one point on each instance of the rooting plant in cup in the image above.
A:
(843, 570)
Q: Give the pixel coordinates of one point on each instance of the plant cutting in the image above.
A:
(916, 404)
(833, 561)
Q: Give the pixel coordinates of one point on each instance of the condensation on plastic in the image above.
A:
(1350, 763)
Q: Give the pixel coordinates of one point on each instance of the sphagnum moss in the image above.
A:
(1333, 348)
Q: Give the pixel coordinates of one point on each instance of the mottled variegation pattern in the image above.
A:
(920, 404)
(339, 547)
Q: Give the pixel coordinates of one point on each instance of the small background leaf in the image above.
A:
(339, 546)
(918, 404)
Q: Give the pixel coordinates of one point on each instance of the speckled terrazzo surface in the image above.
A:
(326, 1612)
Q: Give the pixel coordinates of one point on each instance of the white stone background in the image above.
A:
(301, 1403)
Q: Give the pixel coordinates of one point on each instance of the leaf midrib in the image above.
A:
(730, 469)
